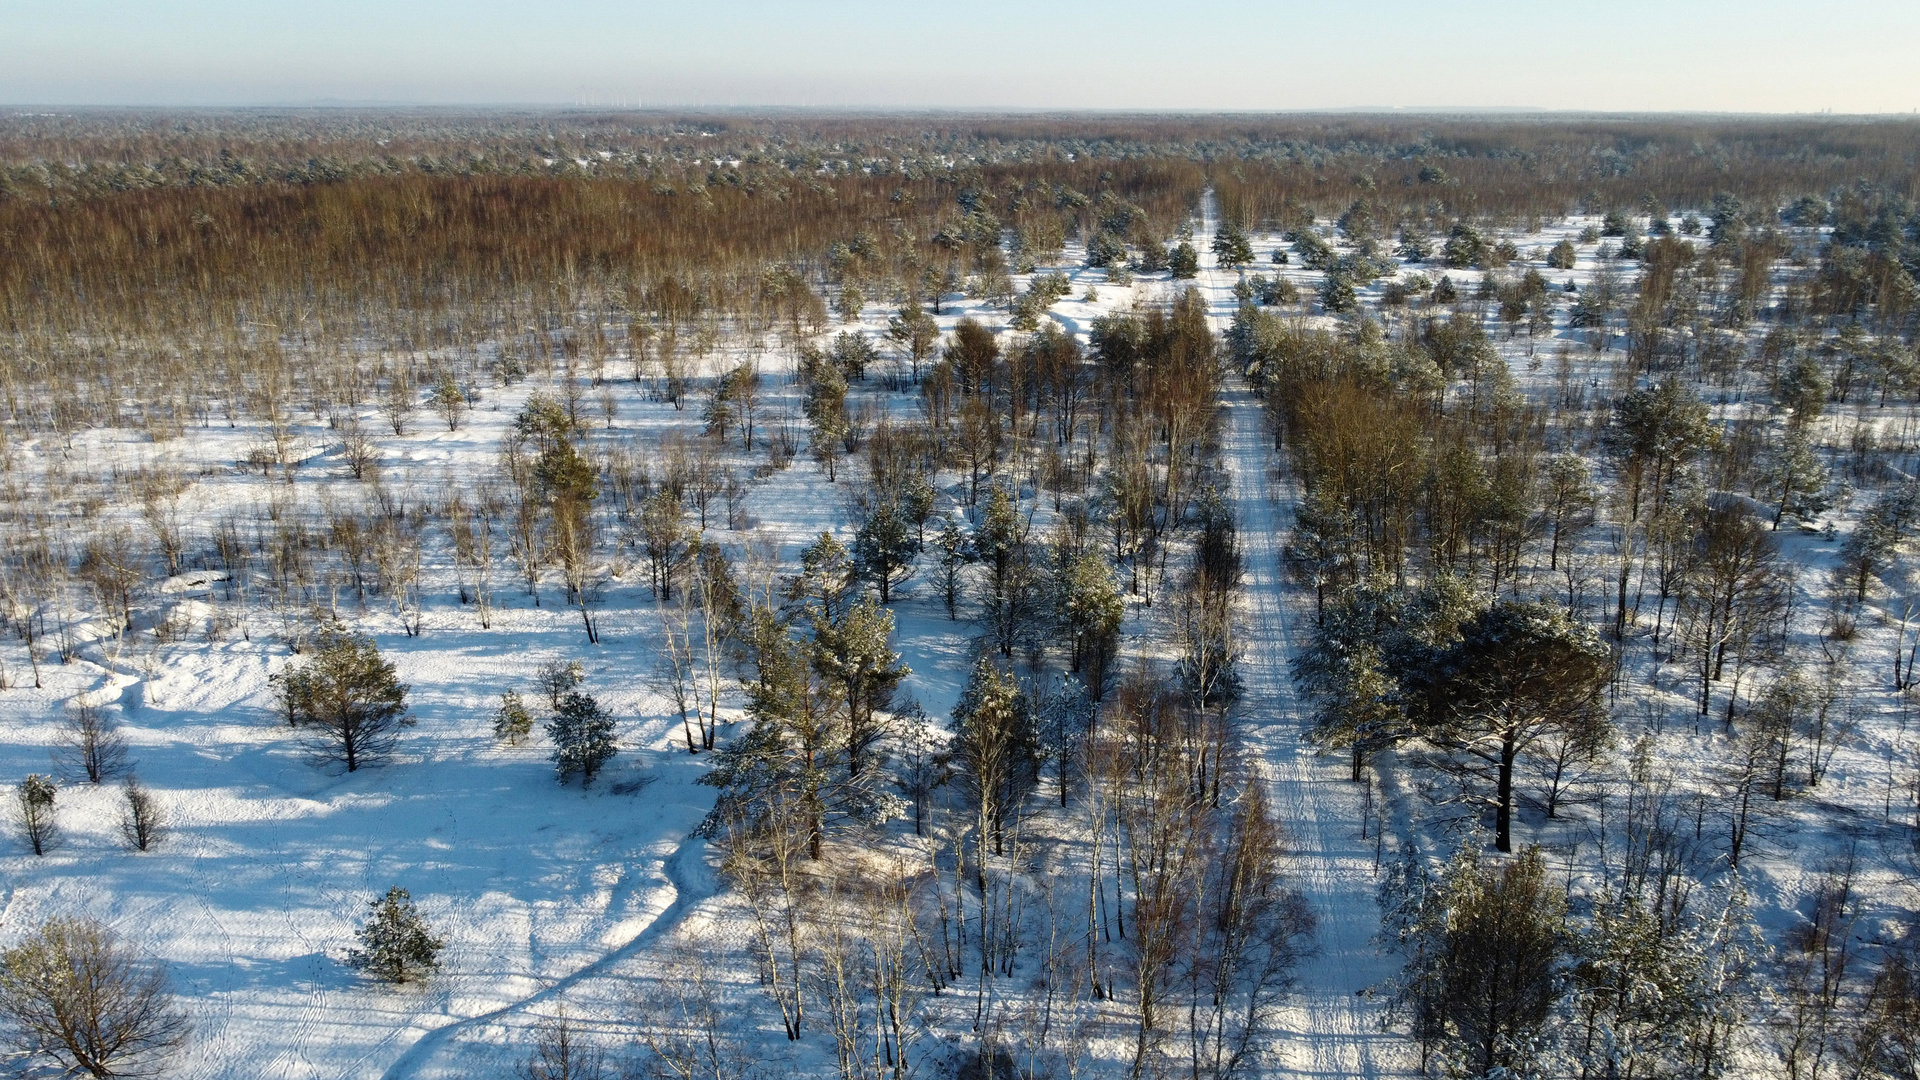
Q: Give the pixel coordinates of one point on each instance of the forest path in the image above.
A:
(1331, 1027)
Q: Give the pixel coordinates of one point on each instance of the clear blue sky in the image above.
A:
(1752, 56)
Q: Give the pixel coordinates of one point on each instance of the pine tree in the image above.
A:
(1336, 293)
(1153, 256)
(449, 400)
(1230, 246)
(1796, 479)
(790, 771)
(956, 551)
(1088, 608)
(1482, 949)
(348, 694)
(395, 944)
(36, 794)
(1465, 247)
(1650, 999)
(916, 332)
(997, 748)
(884, 549)
(826, 580)
(1184, 261)
(556, 677)
(855, 653)
(512, 721)
(1519, 671)
(826, 409)
(583, 739)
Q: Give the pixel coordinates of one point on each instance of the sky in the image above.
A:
(1846, 56)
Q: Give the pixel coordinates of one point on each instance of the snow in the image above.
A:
(547, 893)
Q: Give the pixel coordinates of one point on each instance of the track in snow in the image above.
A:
(1330, 1029)
(693, 882)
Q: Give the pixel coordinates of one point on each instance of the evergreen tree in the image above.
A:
(348, 695)
(826, 409)
(826, 579)
(512, 721)
(1795, 479)
(998, 540)
(790, 770)
(1519, 671)
(1482, 949)
(852, 354)
(583, 737)
(1336, 293)
(1230, 246)
(1315, 253)
(1184, 262)
(1654, 432)
(997, 749)
(556, 677)
(395, 943)
(1802, 392)
(884, 549)
(955, 552)
(1651, 996)
(916, 332)
(1087, 606)
(1465, 247)
(855, 653)
(35, 809)
(1105, 249)
(1153, 256)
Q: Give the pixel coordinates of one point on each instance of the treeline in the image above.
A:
(1498, 158)
(1529, 170)
(371, 283)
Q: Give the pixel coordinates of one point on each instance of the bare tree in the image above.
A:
(91, 745)
(399, 404)
(160, 491)
(74, 994)
(675, 674)
(356, 447)
(144, 821)
(560, 1052)
(686, 1023)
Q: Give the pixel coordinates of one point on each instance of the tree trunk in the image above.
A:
(1503, 815)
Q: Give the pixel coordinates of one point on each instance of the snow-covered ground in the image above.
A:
(546, 892)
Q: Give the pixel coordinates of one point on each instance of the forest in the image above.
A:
(580, 594)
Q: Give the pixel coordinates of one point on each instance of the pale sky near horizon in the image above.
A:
(1848, 56)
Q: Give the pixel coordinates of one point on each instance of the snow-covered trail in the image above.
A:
(1330, 1029)
(433, 1054)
